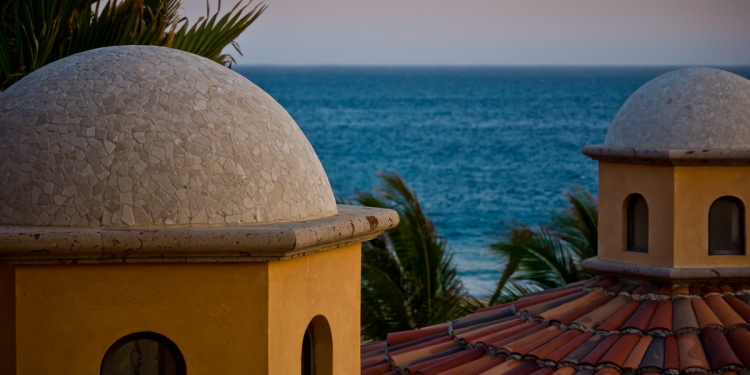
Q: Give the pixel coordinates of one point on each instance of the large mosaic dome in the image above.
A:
(137, 136)
(694, 108)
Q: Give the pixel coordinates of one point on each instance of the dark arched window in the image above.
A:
(637, 224)
(308, 354)
(726, 227)
(317, 348)
(143, 353)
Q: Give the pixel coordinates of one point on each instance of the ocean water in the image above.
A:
(482, 147)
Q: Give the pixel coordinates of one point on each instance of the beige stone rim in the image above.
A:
(668, 156)
(238, 243)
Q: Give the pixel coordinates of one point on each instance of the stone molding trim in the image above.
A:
(226, 243)
(604, 152)
(665, 274)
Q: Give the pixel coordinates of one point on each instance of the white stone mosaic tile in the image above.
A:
(694, 108)
(140, 136)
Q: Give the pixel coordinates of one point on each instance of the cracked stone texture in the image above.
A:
(694, 108)
(137, 136)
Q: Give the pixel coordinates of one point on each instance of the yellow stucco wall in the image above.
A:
(68, 316)
(678, 198)
(696, 188)
(616, 183)
(325, 283)
(226, 318)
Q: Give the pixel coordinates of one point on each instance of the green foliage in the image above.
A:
(548, 257)
(34, 33)
(408, 278)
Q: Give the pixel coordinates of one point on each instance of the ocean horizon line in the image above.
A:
(449, 66)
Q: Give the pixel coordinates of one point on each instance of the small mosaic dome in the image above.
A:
(694, 108)
(138, 136)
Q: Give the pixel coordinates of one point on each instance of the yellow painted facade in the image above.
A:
(679, 198)
(226, 318)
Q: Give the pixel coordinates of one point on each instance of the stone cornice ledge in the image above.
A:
(229, 243)
(668, 156)
(665, 274)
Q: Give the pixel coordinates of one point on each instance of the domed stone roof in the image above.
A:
(694, 108)
(137, 136)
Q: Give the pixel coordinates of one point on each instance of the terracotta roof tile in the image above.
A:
(695, 290)
(575, 356)
(469, 366)
(544, 371)
(562, 352)
(671, 354)
(503, 368)
(542, 307)
(655, 329)
(718, 350)
(406, 336)
(642, 316)
(683, 315)
(453, 361)
(468, 334)
(529, 338)
(636, 356)
(691, 352)
(503, 334)
(653, 288)
(680, 290)
(662, 318)
(728, 317)
(572, 305)
(596, 317)
(485, 367)
(569, 317)
(616, 321)
(565, 337)
(741, 308)
(618, 353)
(418, 344)
(725, 288)
(520, 336)
(565, 370)
(607, 283)
(405, 357)
(709, 289)
(654, 356)
(539, 342)
(640, 289)
(739, 339)
(593, 357)
(706, 316)
(381, 369)
(608, 371)
(525, 368)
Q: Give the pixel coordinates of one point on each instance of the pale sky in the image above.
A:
(495, 32)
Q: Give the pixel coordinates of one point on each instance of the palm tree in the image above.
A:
(408, 278)
(548, 256)
(34, 33)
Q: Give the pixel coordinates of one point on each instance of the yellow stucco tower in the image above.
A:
(162, 215)
(674, 180)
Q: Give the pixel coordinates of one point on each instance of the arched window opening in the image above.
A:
(143, 353)
(726, 227)
(308, 354)
(637, 224)
(317, 348)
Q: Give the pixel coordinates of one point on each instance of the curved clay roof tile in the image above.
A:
(664, 331)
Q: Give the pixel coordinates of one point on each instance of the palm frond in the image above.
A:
(35, 33)
(548, 257)
(413, 258)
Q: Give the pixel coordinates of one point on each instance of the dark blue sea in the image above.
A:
(482, 146)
